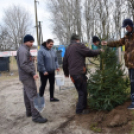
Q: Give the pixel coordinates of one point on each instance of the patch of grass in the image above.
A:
(132, 131)
(94, 128)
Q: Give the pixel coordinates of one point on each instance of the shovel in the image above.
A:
(38, 101)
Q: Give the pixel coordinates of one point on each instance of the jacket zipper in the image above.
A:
(51, 60)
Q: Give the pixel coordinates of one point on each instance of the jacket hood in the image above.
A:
(43, 47)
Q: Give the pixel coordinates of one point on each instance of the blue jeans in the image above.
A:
(131, 75)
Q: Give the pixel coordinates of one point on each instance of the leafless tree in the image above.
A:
(131, 7)
(18, 22)
(3, 38)
(66, 18)
(88, 18)
(5, 43)
(78, 17)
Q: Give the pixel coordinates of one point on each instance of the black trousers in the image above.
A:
(131, 75)
(80, 82)
(43, 78)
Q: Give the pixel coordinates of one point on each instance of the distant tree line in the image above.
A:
(89, 17)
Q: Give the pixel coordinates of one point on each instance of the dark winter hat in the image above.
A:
(95, 39)
(75, 37)
(127, 22)
(28, 37)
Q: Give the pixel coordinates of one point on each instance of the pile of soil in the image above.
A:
(117, 121)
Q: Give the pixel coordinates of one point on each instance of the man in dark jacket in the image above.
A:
(28, 76)
(74, 65)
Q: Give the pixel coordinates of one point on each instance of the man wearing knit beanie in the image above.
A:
(28, 38)
(28, 76)
(96, 40)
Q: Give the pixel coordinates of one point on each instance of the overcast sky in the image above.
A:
(43, 14)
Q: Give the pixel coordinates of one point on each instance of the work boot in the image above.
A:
(85, 111)
(54, 100)
(40, 120)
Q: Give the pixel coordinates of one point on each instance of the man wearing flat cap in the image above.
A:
(74, 65)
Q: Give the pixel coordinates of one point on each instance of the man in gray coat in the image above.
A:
(28, 76)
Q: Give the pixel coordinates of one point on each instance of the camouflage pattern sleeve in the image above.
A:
(118, 43)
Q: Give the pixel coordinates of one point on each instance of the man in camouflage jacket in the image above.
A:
(128, 41)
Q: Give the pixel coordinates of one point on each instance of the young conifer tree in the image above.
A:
(107, 87)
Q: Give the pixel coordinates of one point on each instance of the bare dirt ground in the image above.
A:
(12, 111)
(61, 116)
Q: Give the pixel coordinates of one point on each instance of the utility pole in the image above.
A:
(36, 21)
(40, 33)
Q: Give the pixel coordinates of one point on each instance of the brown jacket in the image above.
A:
(128, 41)
(74, 59)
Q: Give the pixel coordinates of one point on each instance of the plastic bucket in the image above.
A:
(59, 80)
